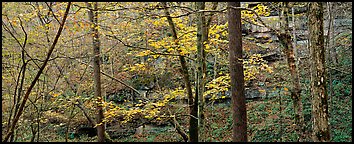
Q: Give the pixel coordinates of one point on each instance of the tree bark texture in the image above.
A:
(193, 123)
(239, 129)
(321, 131)
(285, 39)
(329, 42)
(33, 83)
(294, 35)
(93, 16)
(201, 38)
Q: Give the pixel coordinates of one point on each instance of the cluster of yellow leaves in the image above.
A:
(160, 22)
(137, 67)
(165, 43)
(253, 65)
(186, 38)
(220, 84)
(249, 16)
(148, 110)
(252, 68)
(262, 10)
(143, 53)
(55, 94)
(217, 36)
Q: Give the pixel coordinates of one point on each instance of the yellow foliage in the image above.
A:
(262, 91)
(260, 9)
(148, 110)
(143, 53)
(222, 83)
(138, 67)
(286, 89)
(55, 94)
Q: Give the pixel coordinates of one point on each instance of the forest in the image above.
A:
(176, 71)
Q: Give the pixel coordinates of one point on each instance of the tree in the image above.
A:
(332, 50)
(200, 71)
(193, 122)
(93, 16)
(285, 39)
(239, 115)
(25, 98)
(203, 24)
(318, 79)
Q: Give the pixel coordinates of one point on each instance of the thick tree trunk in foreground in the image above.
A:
(93, 14)
(321, 131)
(239, 129)
(285, 39)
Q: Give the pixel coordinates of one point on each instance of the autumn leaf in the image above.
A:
(262, 91)
(286, 89)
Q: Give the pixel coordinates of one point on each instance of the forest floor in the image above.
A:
(267, 121)
(265, 124)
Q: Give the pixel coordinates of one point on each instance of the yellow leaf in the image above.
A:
(286, 89)
(262, 91)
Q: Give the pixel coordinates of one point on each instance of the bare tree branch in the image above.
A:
(18, 42)
(120, 81)
(50, 8)
(144, 48)
(258, 18)
(17, 117)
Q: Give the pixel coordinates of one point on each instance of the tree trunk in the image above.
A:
(193, 123)
(201, 38)
(239, 115)
(93, 16)
(321, 131)
(333, 52)
(294, 37)
(25, 98)
(285, 39)
(329, 42)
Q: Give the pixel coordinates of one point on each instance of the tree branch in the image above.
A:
(17, 117)
(120, 81)
(144, 48)
(258, 18)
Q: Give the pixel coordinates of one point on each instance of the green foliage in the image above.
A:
(341, 112)
(151, 138)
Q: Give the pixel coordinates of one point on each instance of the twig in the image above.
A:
(55, 17)
(333, 68)
(17, 117)
(178, 127)
(120, 81)
(19, 43)
(258, 18)
(188, 116)
(153, 52)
